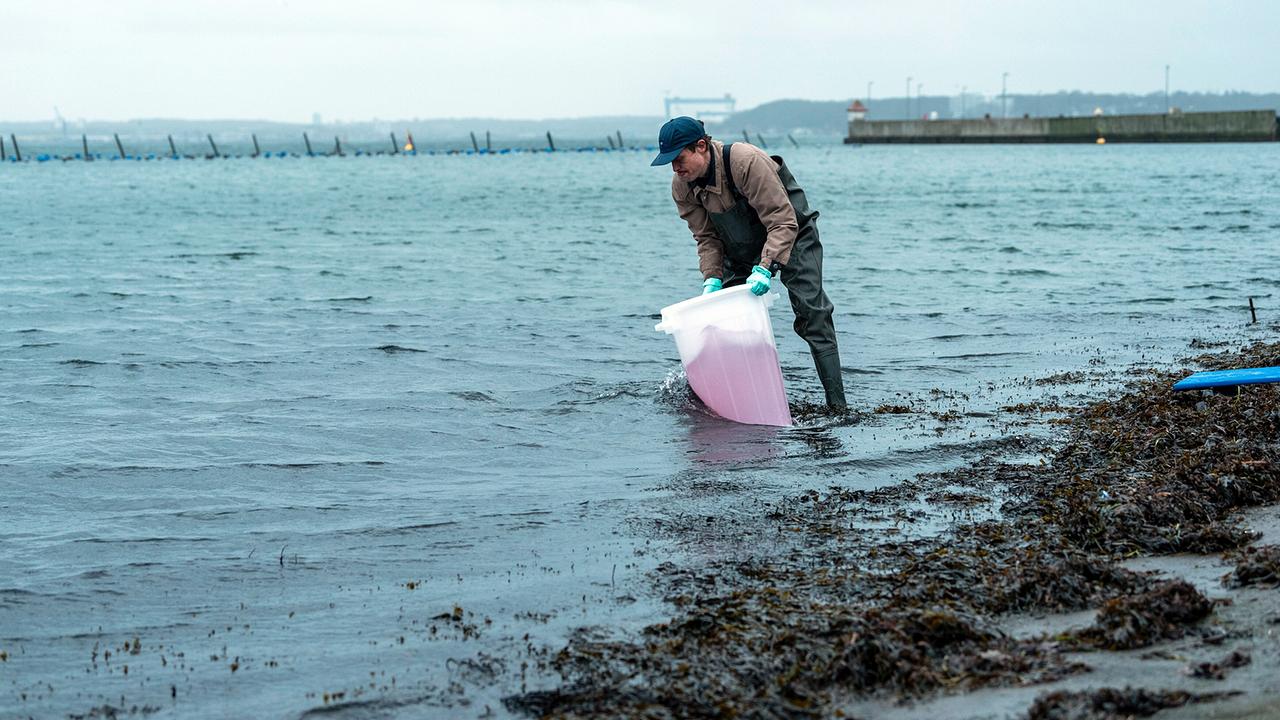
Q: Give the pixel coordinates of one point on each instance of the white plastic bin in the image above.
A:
(726, 343)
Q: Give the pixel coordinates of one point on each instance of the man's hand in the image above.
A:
(759, 280)
(711, 285)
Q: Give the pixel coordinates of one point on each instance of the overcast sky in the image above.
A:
(393, 59)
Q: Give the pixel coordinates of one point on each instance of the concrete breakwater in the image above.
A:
(1235, 126)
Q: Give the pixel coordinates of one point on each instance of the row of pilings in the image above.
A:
(11, 150)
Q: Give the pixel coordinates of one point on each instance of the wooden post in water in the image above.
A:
(413, 148)
(307, 140)
(610, 139)
(84, 142)
(337, 146)
(1253, 312)
(17, 154)
(488, 142)
(395, 147)
(474, 145)
(256, 150)
(620, 145)
(213, 145)
(551, 143)
(3, 155)
(119, 145)
(173, 149)
(793, 140)
(763, 144)
(745, 136)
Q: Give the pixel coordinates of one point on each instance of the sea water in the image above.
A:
(378, 435)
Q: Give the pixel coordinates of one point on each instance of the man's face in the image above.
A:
(692, 162)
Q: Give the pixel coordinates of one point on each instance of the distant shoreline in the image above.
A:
(773, 117)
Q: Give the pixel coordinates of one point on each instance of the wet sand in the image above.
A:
(1132, 569)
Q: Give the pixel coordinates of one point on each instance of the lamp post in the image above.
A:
(1004, 95)
(909, 79)
(1166, 90)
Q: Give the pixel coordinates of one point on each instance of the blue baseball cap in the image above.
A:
(676, 135)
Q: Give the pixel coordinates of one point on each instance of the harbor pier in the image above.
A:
(1232, 126)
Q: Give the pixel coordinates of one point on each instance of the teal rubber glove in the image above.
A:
(711, 285)
(759, 280)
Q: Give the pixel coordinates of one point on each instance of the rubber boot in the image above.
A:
(828, 366)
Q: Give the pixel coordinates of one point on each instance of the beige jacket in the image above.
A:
(756, 175)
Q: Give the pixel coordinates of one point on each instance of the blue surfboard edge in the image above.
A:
(1228, 378)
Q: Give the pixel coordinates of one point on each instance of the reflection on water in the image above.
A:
(713, 440)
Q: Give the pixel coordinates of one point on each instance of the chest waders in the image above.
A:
(743, 236)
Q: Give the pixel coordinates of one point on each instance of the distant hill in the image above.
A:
(787, 116)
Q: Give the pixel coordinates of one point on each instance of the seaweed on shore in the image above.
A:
(769, 653)
(838, 613)
(1139, 620)
(1218, 670)
(1256, 566)
(1107, 703)
(1160, 472)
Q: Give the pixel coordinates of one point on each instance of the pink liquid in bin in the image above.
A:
(737, 375)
